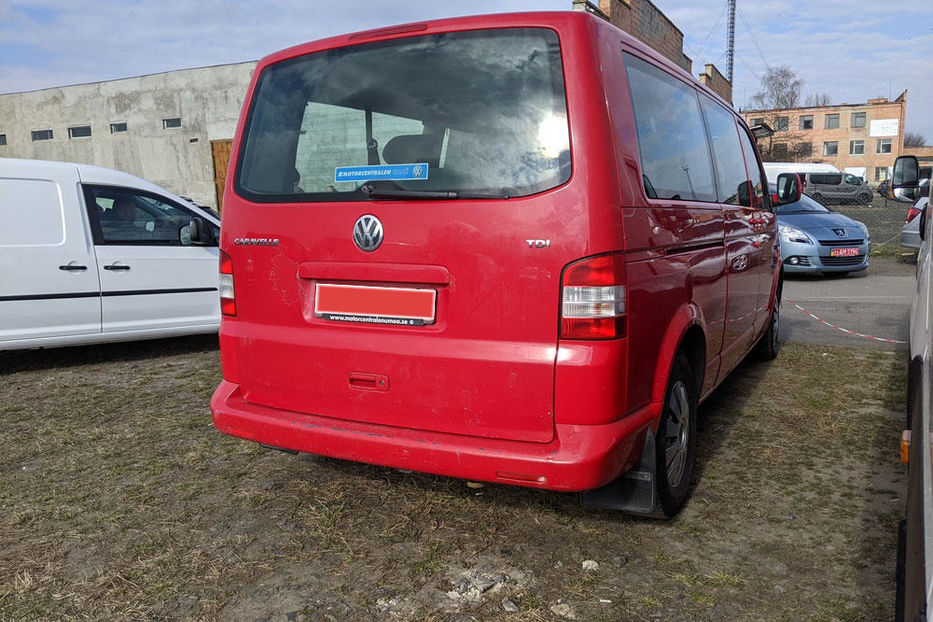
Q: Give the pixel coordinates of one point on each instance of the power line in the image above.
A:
(713, 29)
(755, 41)
(747, 66)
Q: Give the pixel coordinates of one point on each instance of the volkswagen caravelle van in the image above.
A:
(515, 248)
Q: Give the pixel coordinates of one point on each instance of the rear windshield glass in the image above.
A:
(480, 112)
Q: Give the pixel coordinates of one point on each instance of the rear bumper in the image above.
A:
(580, 457)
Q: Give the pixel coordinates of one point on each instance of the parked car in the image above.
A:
(915, 554)
(498, 253)
(816, 240)
(910, 232)
(773, 169)
(836, 188)
(92, 255)
(884, 188)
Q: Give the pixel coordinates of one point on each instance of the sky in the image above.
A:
(851, 51)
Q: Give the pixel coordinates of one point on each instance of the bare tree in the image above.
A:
(787, 144)
(780, 88)
(818, 99)
(914, 139)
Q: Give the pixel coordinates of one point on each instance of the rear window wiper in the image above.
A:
(379, 193)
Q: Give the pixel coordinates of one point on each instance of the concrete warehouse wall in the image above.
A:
(206, 99)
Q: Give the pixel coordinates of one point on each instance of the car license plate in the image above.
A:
(359, 304)
(844, 252)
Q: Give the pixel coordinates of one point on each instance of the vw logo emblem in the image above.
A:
(417, 171)
(367, 233)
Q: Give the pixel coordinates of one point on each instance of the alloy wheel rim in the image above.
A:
(677, 433)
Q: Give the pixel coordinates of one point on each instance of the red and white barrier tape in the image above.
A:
(845, 330)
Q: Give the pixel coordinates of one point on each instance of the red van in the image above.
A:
(511, 248)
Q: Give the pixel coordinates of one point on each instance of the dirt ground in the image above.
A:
(120, 501)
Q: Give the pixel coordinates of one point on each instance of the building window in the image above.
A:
(806, 122)
(884, 145)
(804, 150)
(881, 173)
(779, 150)
(42, 135)
(858, 119)
(757, 121)
(856, 147)
(832, 121)
(117, 127)
(831, 148)
(780, 124)
(168, 124)
(2, 139)
(79, 131)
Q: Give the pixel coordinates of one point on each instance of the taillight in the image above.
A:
(593, 298)
(227, 295)
(912, 213)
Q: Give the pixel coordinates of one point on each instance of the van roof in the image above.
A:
(547, 19)
(88, 173)
(799, 167)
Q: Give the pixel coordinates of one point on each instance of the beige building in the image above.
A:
(862, 139)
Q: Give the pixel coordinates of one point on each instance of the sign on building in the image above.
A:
(883, 127)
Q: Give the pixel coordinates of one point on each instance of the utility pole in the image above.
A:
(730, 46)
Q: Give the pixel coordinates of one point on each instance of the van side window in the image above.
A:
(123, 216)
(833, 179)
(730, 164)
(756, 175)
(675, 158)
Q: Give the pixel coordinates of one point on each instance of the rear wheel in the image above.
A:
(769, 345)
(817, 197)
(865, 198)
(676, 439)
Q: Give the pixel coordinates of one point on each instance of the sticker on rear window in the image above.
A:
(415, 171)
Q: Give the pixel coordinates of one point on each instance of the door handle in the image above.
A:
(116, 266)
(72, 267)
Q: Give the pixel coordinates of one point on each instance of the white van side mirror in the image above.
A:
(197, 232)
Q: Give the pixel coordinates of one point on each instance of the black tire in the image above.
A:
(676, 438)
(816, 196)
(865, 198)
(769, 345)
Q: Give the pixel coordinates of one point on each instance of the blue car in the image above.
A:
(816, 240)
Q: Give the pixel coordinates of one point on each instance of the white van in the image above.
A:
(91, 255)
(773, 169)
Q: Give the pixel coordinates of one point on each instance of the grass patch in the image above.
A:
(121, 501)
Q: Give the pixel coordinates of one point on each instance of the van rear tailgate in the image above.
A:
(484, 366)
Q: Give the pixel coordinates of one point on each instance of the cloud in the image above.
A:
(851, 54)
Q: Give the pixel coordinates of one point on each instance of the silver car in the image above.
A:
(910, 234)
(837, 188)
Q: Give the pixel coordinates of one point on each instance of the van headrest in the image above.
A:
(409, 148)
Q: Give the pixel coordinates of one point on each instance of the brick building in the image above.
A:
(862, 139)
(644, 21)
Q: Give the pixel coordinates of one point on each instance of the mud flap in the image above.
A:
(633, 492)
